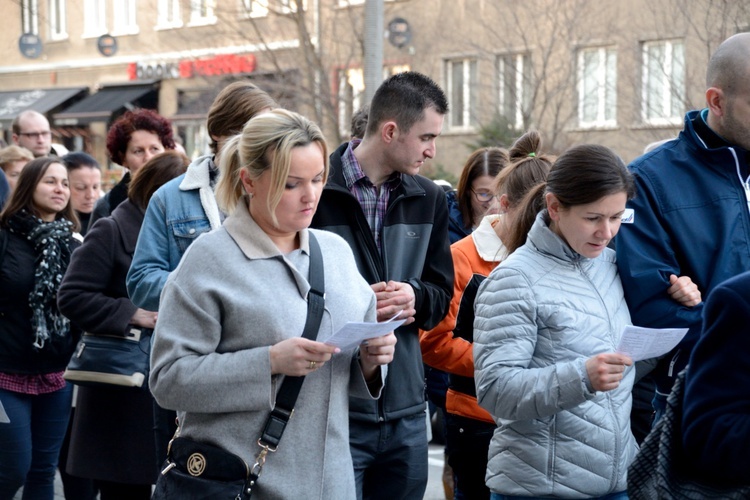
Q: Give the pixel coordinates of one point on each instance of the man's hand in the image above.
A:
(394, 297)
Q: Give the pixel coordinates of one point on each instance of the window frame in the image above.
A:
(469, 93)
(197, 18)
(94, 27)
(286, 7)
(58, 24)
(29, 16)
(670, 94)
(124, 11)
(349, 96)
(605, 86)
(169, 15)
(254, 8)
(522, 81)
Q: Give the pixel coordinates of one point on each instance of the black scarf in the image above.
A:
(51, 241)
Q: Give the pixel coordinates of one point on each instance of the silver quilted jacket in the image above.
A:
(539, 316)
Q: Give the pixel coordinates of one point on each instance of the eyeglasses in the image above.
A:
(484, 196)
(35, 135)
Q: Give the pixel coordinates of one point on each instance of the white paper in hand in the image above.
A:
(354, 333)
(644, 343)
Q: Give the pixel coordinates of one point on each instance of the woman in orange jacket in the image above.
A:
(448, 346)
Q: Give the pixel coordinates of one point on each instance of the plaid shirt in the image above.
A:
(373, 201)
(36, 384)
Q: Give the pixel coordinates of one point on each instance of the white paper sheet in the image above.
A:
(644, 343)
(4, 419)
(354, 333)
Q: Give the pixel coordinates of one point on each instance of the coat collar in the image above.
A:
(198, 178)
(251, 239)
(129, 219)
(488, 244)
(549, 243)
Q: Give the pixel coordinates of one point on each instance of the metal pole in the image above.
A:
(374, 34)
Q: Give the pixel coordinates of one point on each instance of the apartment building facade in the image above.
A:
(616, 73)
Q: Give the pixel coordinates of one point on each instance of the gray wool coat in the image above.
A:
(539, 316)
(232, 297)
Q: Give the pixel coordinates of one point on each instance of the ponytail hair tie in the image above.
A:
(532, 155)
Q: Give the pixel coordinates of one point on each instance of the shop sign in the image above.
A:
(215, 66)
(153, 71)
(30, 45)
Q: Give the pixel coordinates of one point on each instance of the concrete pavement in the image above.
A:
(434, 484)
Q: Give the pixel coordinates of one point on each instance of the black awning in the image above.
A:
(108, 102)
(42, 100)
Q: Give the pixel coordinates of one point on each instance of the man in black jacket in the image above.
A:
(396, 222)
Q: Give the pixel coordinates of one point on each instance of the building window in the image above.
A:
(57, 24)
(254, 8)
(169, 15)
(351, 89)
(514, 87)
(663, 82)
(123, 16)
(461, 80)
(94, 18)
(597, 87)
(202, 12)
(30, 16)
(288, 6)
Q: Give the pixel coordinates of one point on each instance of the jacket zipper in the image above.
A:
(612, 416)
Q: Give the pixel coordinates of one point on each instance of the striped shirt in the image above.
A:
(373, 200)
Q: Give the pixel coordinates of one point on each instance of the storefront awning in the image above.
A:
(42, 100)
(101, 106)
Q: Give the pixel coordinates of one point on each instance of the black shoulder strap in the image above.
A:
(291, 386)
(3, 244)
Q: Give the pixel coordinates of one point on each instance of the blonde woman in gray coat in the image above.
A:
(547, 325)
(232, 314)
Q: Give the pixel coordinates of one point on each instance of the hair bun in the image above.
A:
(528, 145)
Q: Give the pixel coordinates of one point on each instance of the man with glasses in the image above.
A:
(31, 131)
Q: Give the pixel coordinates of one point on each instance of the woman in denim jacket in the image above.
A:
(183, 209)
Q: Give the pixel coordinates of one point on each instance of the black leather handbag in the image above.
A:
(198, 471)
(659, 470)
(111, 360)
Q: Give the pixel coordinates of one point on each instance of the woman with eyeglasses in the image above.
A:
(467, 205)
(475, 196)
(132, 140)
(448, 346)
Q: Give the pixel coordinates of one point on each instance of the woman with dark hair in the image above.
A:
(93, 294)
(36, 340)
(548, 321)
(132, 140)
(474, 196)
(448, 346)
(85, 177)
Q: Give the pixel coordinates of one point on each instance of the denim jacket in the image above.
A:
(179, 212)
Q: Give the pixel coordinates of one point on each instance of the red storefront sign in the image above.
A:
(228, 64)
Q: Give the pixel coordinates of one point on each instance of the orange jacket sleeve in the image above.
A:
(440, 348)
